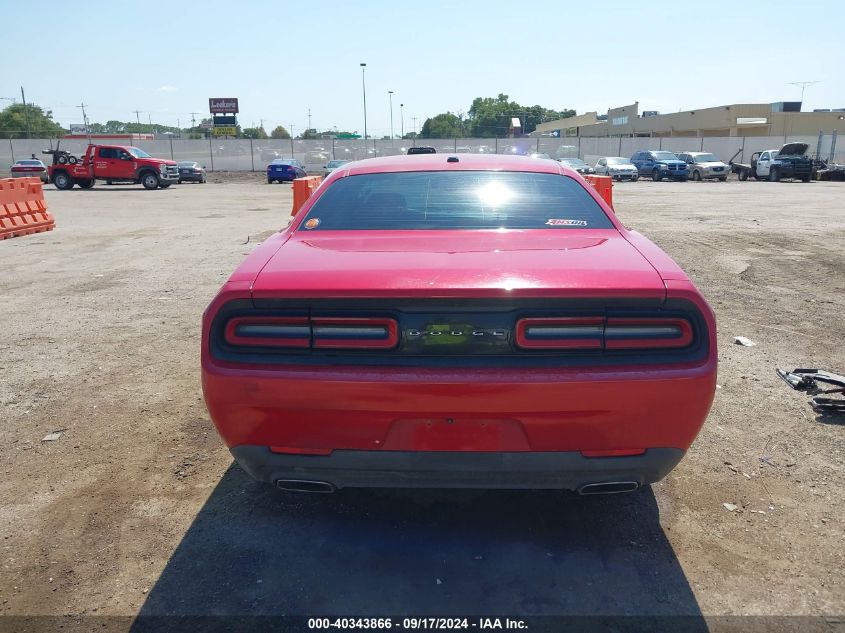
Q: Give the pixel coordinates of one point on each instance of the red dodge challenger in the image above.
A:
(470, 321)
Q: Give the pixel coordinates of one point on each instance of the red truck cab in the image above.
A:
(113, 163)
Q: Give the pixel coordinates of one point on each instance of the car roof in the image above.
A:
(465, 162)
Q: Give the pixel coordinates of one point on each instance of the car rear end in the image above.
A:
(579, 359)
(191, 172)
(30, 169)
(283, 172)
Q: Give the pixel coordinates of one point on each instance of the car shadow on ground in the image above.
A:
(255, 551)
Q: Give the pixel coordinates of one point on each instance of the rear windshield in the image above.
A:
(30, 163)
(455, 200)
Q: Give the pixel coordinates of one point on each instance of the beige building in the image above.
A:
(740, 119)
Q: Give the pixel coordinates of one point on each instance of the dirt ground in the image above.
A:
(137, 507)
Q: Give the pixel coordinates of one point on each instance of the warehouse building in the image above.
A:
(741, 119)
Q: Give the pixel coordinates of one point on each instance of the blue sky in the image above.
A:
(282, 58)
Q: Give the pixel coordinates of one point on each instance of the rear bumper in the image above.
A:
(451, 469)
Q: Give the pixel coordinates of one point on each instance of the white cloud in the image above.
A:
(167, 88)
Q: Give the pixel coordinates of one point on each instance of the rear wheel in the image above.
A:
(149, 180)
(743, 175)
(656, 176)
(774, 175)
(86, 184)
(724, 178)
(73, 160)
(696, 175)
(62, 160)
(63, 181)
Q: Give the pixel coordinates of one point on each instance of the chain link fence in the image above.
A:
(253, 155)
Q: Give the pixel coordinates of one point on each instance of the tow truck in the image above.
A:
(789, 161)
(112, 163)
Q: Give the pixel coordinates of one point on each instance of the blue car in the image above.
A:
(660, 164)
(284, 169)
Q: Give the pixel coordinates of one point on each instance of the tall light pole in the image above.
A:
(364, 88)
(402, 120)
(390, 96)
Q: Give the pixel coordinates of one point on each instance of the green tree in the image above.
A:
(254, 132)
(491, 116)
(446, 125)
(13, 122)
(279, 132)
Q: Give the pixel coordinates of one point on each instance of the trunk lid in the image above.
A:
(561, 263)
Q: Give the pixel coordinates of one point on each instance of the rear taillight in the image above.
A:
(647, 333)
(300, 332)
(359, 333)
(613, 333)
(562, 333)
(269, 332)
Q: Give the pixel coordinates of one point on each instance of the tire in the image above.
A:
(149, 180)
(723, 178)
(656, 176)
(110, 182)
(62, 160)
(85, 184)
(805, 179)
(164, 185)
(635, 178)
(63, 181)
(743, 175)
(73, 160)
(696, 176)
(269, 181)
(774, 175)
(180, 181)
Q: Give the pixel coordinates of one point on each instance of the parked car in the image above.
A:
(190, 171)
(421, 150)
(332, 165)
(659, 164)
(704, 165)
(30, 168)
(458, 321)
(617, 167)
(284, 170)
(790, 161)
(578, 165)
(268, 155)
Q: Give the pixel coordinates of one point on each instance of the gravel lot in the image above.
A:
(138, 508)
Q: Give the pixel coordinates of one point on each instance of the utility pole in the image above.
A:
(85, 121)
(137, 116)
(193, 120)
(364, 88)
(26, 115)
(309, 118)
(415, 125)
(291, 140)
(390, 96)
(402, 120)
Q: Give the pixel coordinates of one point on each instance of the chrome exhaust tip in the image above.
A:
(303, 485)
(608, 488)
